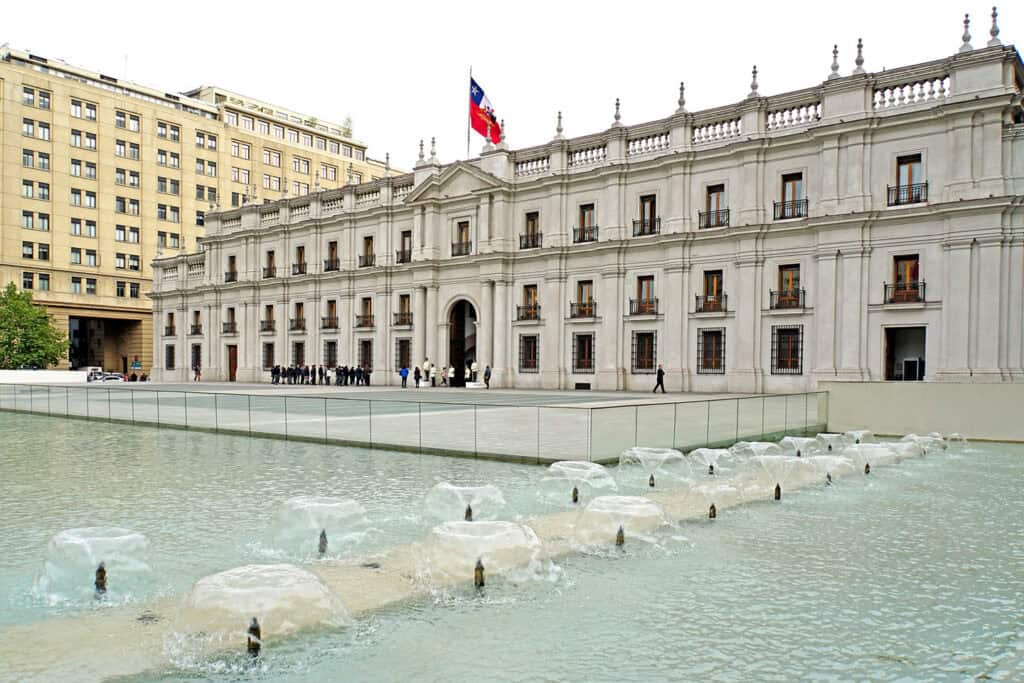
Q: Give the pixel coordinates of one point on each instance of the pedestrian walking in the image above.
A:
(197, 371)
(416, 374)
(487, 376)
(661, 380)
(404, 373)
(444, 376)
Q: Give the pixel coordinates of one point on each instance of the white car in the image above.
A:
(111, 377)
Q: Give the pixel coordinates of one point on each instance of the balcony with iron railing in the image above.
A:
(711, 303)
(329, 322)
(461, 248)
(643, 307)
(299, 268)
(782, 300)
(796, 208)
(403, 256)
(332, 264)
(269, 272)
(229, 327)
(718, 218)
(297, 324)
(643, 227)
(587, 234)
(367, 260)
(231, 276)
(169, 331)
(195, 330)
(364, 320)
(267, 326)
(528, 312)
(916, 193)
(531, 240)
(402, 319)
(586, 309)
(904, 292)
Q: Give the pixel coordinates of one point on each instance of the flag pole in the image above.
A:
(468, 114)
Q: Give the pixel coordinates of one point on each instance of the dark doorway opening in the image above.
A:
(904, 353)
(232, 362)
(461, 342)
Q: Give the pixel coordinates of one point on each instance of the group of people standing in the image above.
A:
(306, 374)
(427, 373)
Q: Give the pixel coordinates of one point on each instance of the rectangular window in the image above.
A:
(262, 127)
(90, 200)
(27, 189)
(648, 210)
(403, 353)
(28, 249)
(76, 109)
(583, 353)
(28, 280)
(277, 131)
(789, 287)
(28, 220)
(161, 211)
(268, 355)
(240, 149)
(586, 215)
(532, 223)
(910, 185)
(787, 350)
(90, 257)
(792, 187)
(44, 99)
(271, 158)
(173, 240)
(300, 165)
(133, 235)
(90, 111)
(715, 201)
(76, 285)
(298, 353)
(120, 233)
(43, 251)
(133, 178)
(169, 357)
(44, 282)
(76, 197)
(90, 228)
(644, 352)
(161, 129)
(330, 354)
(44, 222)
(119, 288)
(246, 122)
(28, 127)
(529, 353)
(44, 162)
(44, 131)
(366, 354)
(133, 290)
(90, 170)
(711, 351)
(76, 226)
(44, 190)
(120, 119)
(28, 158)
(120, 261)
(134, 124)
(645, 295)
(90, 286)
(120, 146)
(28, 97)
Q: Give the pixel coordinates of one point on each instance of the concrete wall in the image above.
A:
(978, 411)
(42, 377)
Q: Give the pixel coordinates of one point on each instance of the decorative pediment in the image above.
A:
(457, 180)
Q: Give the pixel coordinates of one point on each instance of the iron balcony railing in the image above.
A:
(329, 323)
(646, 226)
(195, 329)
(402, 318)
(531, 240)
(718, 218)
(403, 256)
(367, 260)
(711, 303)
(297, 324)
(587, 309)
(269, 272)
(528, 312)
(907, 194)
(364, 320)
(298, 269)
(267, 326)
(786, 299)
(461, 248)
(231, 276)
(169, 331)
(587, 234)
(332, 264)
(792, 209)
(229, 327)
(904, 292)
(643, 306)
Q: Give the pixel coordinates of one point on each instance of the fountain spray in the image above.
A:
(575, 495)
(712, 512)
(650, 482)
(867, 468)
(478, 573)
(778, 492)
(620, 537)
(101, 580)
(254, 638)
(322, 548)
(469, 513)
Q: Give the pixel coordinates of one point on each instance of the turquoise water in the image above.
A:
(913, 573)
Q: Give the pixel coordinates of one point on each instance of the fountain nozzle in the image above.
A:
(575, 495)
(620, 537)
(650, 482)
(478, 574)
(711, 470)
(798, 452)
(828, 479)
(254, 638)
(830, 448)
(469, 513)
(712, 512)
(778, 492)
(867, 468)
(101, 579)
(322, 547)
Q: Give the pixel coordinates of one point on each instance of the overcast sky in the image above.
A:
(400, 69)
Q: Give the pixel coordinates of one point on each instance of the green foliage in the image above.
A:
(27, 335)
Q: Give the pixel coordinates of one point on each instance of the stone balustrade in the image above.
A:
(792, 117)
(648, 144)
(588, 156)
(717, 131)
(919, 91)
(531, 167)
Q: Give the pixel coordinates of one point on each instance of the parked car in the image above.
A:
(112, 377)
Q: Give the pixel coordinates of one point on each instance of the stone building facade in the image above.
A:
(867, 227)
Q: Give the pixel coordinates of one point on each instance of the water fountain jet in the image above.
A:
(712, 512)
(778, 492)
(620, 537)
(575, 495)
(478, 573)
(253, 640)
(322, 545)
(469, 514)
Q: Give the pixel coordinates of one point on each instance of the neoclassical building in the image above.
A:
(868, 227)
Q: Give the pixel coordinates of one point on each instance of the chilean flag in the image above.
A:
(481, 112)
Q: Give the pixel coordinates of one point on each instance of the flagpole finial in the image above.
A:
(618, 114)
(835, 63)
(682, 98)
(421, 149)
(753, 83)
(859, 60)
(994, 31)
(966, 46)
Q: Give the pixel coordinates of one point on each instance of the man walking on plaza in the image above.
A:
(404, 373)
(487, 376)
(661, 380)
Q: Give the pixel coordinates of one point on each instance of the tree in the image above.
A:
(27, 335)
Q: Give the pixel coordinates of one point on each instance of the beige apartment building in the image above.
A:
(100, 176)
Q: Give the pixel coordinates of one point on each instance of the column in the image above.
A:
(502, 324)
(743, 300)
(956, 316)
(672, 345)
(852, 310)
(989, 301)
(553, 311)
(825, 316)
(382, 354)
(419, 325)
(432, 330)
(484, 327)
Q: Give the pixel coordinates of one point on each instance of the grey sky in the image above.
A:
(400, 69)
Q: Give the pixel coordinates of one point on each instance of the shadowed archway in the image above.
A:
(461, 341)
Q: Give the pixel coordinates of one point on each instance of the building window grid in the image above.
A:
(529, 353)
(583, 351)
(711, 351)
(644, 352)
(403, 352)
(787, 349)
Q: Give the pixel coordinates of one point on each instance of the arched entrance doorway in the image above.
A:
(461, 341)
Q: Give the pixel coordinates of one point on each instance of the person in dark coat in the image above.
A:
(661, 380)
(366, 376)
(352, 375)
(359, 376)
(416, 376)
(305, 374)
(322, 373)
